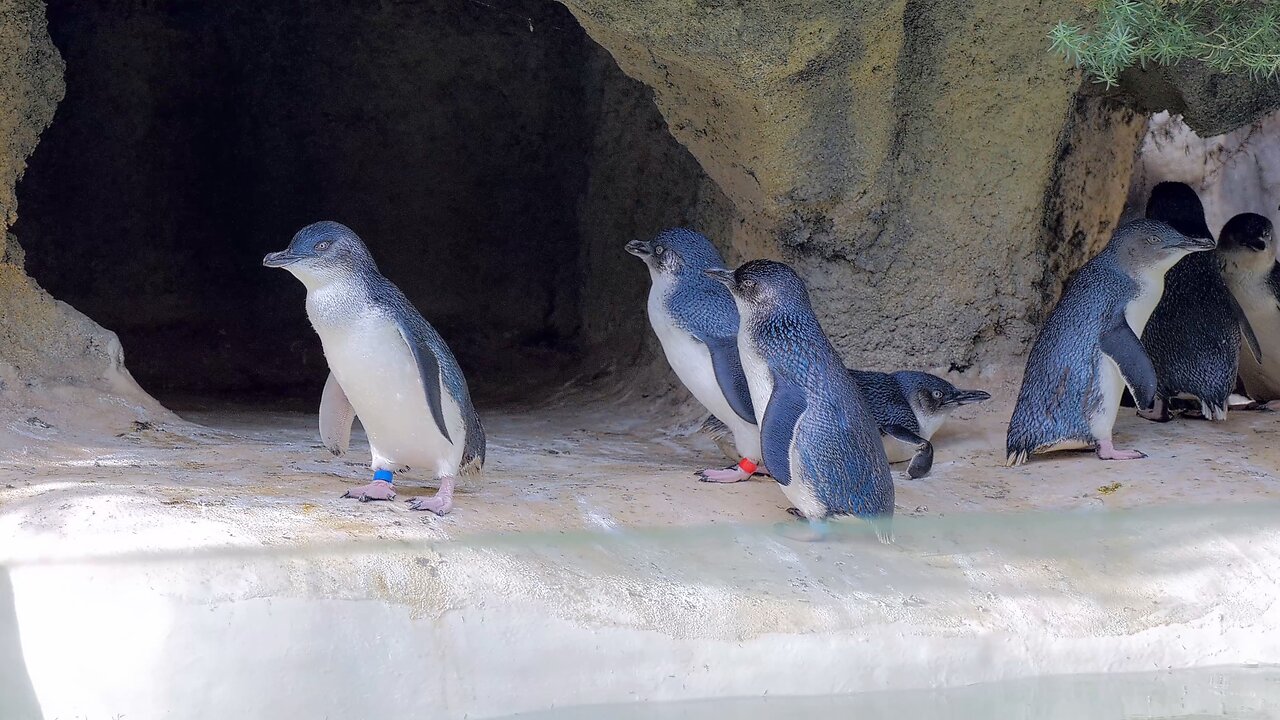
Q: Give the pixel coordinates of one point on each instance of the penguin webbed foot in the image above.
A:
(731, 474)
(1159, 412)
(1107, 451)
(376, 490)
(440, 503)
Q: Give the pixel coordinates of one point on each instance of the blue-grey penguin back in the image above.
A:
(1059, 388)
(703, 308)
(886, 399)
(815, 404)
(1193, 336)
(347, 255)
(421, 333)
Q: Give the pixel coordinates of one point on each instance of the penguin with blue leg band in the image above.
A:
(388, 366)
(696, 321)
(1088, 349)
(819, 439)
(1194, 335)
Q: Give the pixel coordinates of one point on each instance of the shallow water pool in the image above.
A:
(1152, 614)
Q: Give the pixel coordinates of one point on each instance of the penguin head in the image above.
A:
(931, 395)
(1178, 205)
(322, 252)
(1247, 235)
(1145, 245)
(677, 251)
(762, 286)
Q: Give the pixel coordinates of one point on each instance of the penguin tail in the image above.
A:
(883, 526)
(472, 466)
(716, 429)
(1015, 457)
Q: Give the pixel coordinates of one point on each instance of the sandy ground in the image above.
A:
(254, 477)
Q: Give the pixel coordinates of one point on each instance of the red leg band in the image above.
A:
(747, 466)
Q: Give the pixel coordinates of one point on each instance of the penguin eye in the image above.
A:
(1153, 239)
(322, 246)
(658, 249)
(748, 283)
(937, 394)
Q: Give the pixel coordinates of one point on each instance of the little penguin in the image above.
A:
(1193, 336)
(696, 321)
(387, 366)
(1088, 349)
(1248, 252)
(908, 407)
(820, 441)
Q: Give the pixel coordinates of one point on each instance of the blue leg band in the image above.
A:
(383, 475)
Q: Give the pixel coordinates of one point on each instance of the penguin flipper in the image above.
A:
(922, 461)
(727, 365)
(786, 404)
(429, 371)
(1246, 330)
(336, 416)
(1121, 345)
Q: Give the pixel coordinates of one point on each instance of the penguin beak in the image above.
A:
(966, 397)
(1195, 244)
(639, 248)
(1256, 244)
(720, 275)
(279, 259)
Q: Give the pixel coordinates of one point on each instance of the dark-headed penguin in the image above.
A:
(1193, 336)
(1247, 248)
(1088, 349)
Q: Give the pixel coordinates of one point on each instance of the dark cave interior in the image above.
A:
(494, 159)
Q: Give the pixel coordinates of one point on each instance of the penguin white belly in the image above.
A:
(896, 450)
(800, 490)
(691, 361)
(1261, 380)
(1111, 385)
(1110, 381)
(377, 371)
(759, 379)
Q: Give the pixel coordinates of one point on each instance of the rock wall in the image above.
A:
(914, 159)
(51, 357)
(1235, 172)
(929, 167)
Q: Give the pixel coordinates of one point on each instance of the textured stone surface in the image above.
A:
(898, 153)
(51, 357)
(1233, 173)
(1211, 103)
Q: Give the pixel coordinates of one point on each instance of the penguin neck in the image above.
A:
(332, 302)
(1150, 281)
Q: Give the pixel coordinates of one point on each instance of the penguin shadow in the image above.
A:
(17, 695)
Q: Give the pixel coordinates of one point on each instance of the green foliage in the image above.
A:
(1233, 36)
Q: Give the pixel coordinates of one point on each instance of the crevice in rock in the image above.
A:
(495, 171)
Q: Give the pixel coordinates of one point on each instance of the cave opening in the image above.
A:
(494, 158)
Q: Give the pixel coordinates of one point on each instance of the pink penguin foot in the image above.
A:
(440, 503)
(376, 490)
(1274, 405)
(1107, 451)
(730, 474)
